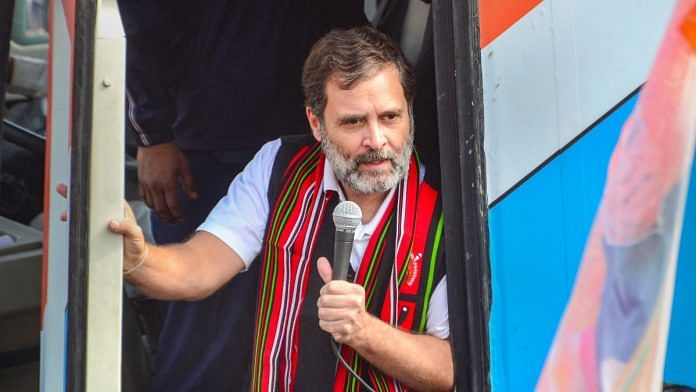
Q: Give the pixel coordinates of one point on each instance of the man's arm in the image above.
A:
(421, 361)
(151, 54)
(232, 233)
(156, 39)
(189, 271)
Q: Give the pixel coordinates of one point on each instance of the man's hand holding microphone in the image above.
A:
(341, 303)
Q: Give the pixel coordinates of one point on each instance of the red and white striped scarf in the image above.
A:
(292, 233)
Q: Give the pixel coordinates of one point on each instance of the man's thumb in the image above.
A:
(324, 269)
(187, 181)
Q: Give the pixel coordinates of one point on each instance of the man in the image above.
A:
(209, 82)
(358, 94)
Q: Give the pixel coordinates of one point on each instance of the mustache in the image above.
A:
(374, 156)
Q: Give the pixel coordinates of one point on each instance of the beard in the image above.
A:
(347, 169)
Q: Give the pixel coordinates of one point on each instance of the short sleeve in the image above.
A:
(437, 323)
(239, 218)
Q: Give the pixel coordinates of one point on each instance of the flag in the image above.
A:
(613, 334)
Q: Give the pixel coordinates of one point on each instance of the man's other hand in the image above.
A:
(134, 240)
(134, 249)
(160, 167)
(341, 307)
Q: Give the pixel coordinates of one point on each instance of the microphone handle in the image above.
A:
(343, 247)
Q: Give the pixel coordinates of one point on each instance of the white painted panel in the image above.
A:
(53, 334)
(556, 71)
(106, 176)
(519, 100)
(615, 51)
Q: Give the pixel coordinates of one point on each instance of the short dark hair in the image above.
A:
(347, 57)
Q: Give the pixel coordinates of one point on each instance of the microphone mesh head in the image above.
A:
(347, 215)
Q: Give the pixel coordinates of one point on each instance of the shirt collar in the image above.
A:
(363, 230)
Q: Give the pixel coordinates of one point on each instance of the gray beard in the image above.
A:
(370, 181)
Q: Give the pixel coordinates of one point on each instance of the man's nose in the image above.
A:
(375, 138)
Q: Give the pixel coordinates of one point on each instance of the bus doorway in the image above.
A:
(85, 72)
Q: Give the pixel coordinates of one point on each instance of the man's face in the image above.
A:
(367, 132)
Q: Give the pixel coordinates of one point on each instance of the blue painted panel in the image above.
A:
(537, 238)
(680, 364)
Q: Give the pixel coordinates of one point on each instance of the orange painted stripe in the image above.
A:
(689, 28)
(69, 9)
(496, 16)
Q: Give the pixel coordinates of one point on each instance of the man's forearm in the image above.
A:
(166, 274)
(188, 271)
(421, 361)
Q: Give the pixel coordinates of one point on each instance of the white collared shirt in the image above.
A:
(239, 220)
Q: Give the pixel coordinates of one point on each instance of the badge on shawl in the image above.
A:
(414, 270)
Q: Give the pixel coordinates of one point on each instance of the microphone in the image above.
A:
(346, 217)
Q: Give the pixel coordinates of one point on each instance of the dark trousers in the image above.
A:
(206, 345)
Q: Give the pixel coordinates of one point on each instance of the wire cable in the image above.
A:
(350, 370)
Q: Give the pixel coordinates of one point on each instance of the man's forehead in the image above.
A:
(382, 86)
(343, 81)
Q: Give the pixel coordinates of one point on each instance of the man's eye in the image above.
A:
(391, 116)
(352, 122)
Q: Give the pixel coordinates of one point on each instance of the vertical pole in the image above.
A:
(460, 117)
(96, 197)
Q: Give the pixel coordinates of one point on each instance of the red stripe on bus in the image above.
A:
(496, 16)
(69, 10)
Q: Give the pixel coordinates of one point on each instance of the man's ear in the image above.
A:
(314, 123)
